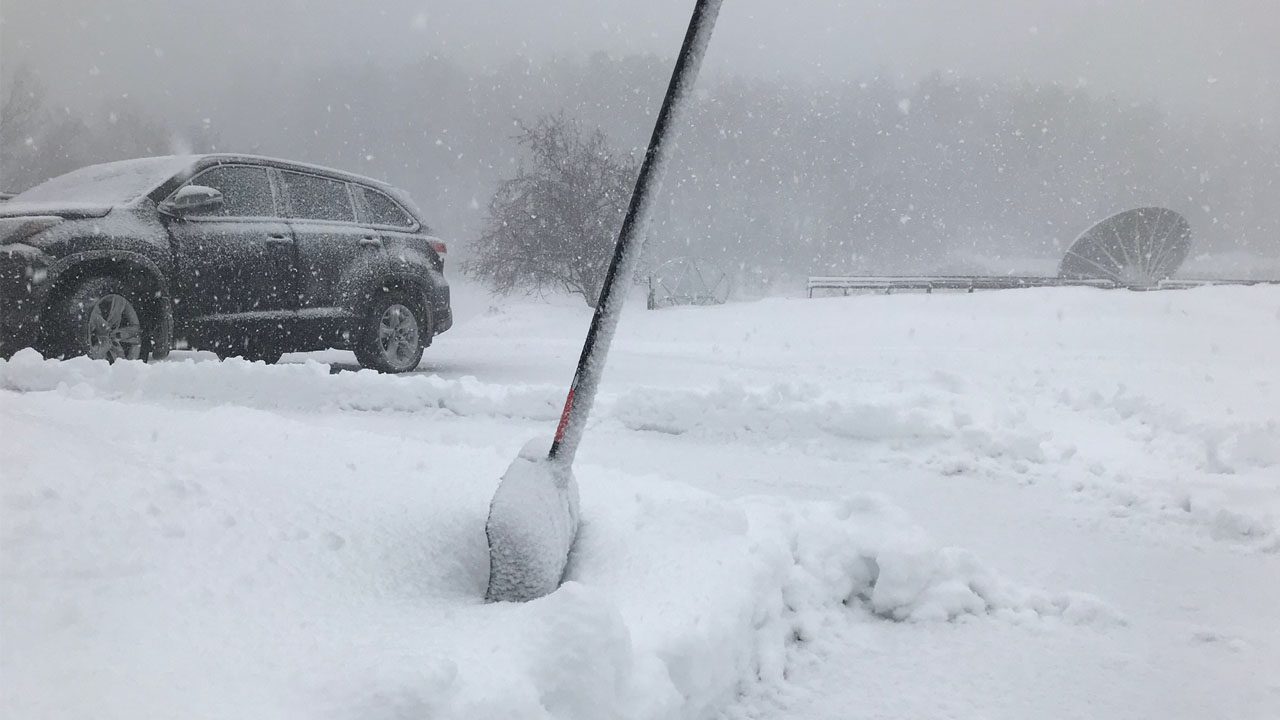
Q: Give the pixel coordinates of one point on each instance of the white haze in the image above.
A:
(248, 75)
(1220, 57)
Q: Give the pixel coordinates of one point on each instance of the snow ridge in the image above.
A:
(767, 580)
(302, 570)
(931, 425)
(784, 412)
(305, 386)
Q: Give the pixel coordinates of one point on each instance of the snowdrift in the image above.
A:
(776, 412)
(180, 561)
(955, 425)
(231, 540)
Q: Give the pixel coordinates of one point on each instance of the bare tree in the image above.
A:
(553, 225)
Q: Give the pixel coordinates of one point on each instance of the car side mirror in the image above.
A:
(192, 199)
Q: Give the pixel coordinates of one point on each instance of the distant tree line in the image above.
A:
(40, 139)
(774, 179)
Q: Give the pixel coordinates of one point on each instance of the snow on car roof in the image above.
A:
(123, 181)
(296, 165)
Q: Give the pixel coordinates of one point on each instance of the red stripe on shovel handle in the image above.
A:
(564, 416)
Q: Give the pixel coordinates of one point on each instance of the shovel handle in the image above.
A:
(604, 323)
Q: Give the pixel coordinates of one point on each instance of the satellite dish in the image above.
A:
(1135, 248)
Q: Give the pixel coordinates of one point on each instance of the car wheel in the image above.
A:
(100, 320)
(391, 340)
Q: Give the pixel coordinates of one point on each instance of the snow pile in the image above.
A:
(863, 549)
(922, 426)
(776, 413)
(233, 540)
(719, 594)
(780, 410)
(305, 386)
(1222, 447)
(1239, 455)
(228, 562)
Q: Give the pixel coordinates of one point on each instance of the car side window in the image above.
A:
(382, 210)
(246, 191)
(316, 198)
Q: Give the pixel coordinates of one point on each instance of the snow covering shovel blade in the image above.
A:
(533, 519)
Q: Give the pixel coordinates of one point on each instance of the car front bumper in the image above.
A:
(24, 288)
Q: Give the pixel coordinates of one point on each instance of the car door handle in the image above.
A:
(371, 242)
(279, 239)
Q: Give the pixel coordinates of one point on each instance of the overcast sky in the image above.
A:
(1199, 56)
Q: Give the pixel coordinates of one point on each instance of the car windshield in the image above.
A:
(112, 183)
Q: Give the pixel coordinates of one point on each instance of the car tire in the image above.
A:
(102, 318)
(391, 339)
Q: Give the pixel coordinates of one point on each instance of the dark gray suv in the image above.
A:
(238, 254)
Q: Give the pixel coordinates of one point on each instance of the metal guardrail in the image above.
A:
(969, 283)
(1176, 284)
(928, 283)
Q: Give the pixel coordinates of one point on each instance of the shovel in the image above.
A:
(533, 519)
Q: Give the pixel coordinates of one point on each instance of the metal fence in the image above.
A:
(887, 284)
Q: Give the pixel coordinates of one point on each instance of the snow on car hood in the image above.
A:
(98, 188)
(54, 209)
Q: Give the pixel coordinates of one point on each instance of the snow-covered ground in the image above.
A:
(1057, 503)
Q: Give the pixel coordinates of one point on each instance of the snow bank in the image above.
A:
(1215, 474)
(774, 412)
(227, 563)
(767, 576)
(305, 386)
(227, 540)
(788, 411)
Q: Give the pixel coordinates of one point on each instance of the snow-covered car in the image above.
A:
(238, 254)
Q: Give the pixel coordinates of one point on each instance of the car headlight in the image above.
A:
(17, 229)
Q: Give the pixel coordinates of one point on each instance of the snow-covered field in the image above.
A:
(1057, 503)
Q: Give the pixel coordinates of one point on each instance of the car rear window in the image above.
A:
(382, 210)
(246, 190)
(316, 198)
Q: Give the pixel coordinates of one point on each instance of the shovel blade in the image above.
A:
(533, 521)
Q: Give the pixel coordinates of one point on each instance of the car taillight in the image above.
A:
(439, 247)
